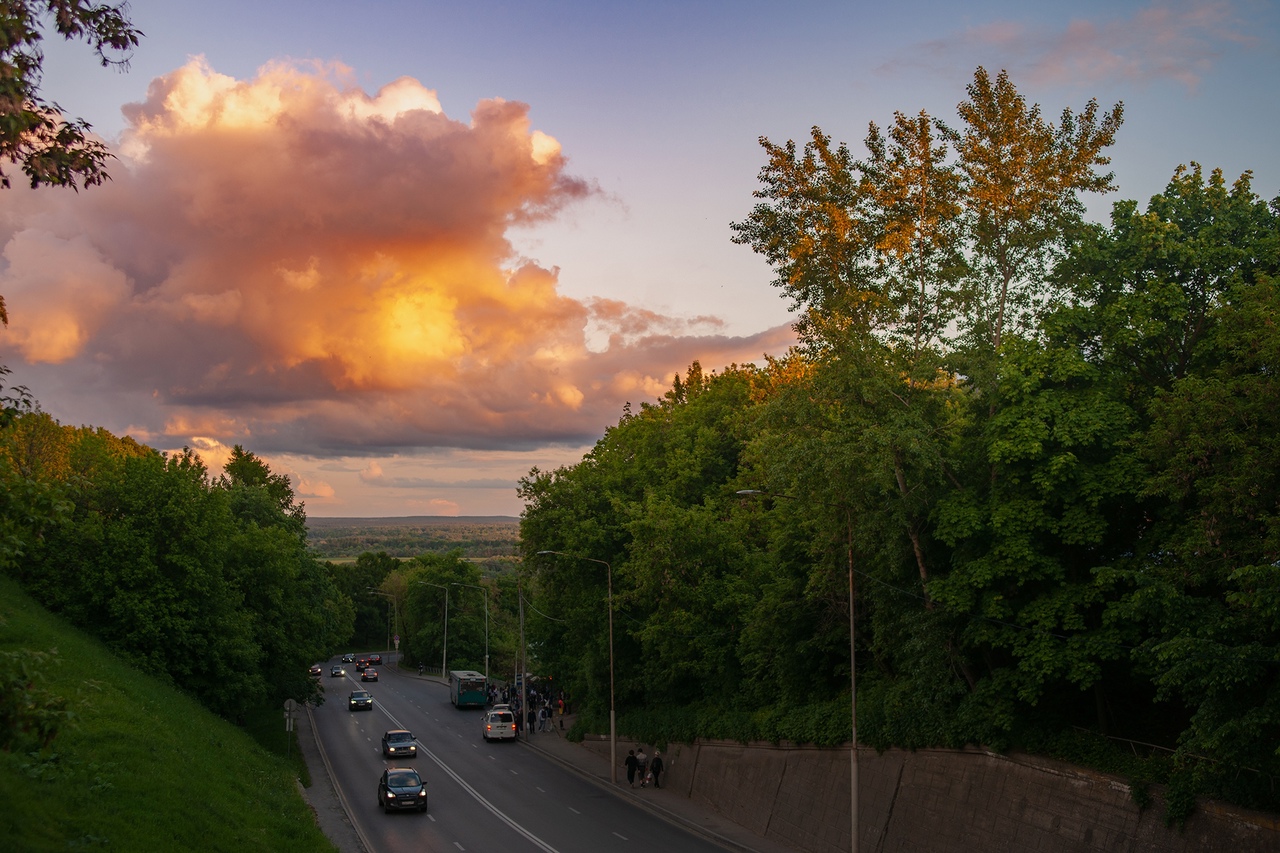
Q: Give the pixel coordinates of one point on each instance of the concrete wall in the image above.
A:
(942, 800)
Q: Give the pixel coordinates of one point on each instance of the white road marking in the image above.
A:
(623, 837)
(498, 813)
(575, 811)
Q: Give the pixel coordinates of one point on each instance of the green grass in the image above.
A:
(139, 765)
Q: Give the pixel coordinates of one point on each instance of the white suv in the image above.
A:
(499, 725)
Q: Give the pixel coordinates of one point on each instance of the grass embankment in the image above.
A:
(139, 766)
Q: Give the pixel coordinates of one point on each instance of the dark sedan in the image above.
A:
(402, 788)
(369, 674)
(397, 743)
(337, 671)
(375, 660)
(360, 700)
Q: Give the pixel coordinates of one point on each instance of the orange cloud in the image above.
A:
(292, 264)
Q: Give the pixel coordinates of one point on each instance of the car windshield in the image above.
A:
(399, 737)
(359, 695)
(404, 779)
(501, 718)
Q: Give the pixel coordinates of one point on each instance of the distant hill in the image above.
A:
(476, 536)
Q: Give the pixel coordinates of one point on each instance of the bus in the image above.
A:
(468, 689)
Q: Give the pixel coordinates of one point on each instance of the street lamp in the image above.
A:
(444, 653)
(485, 590)
(853, 661)
(392, 599)
(613, 720)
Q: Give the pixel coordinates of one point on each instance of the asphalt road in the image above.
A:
(482, 796)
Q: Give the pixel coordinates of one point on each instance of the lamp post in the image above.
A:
(613, 720)
(486, 626)
(392, 605)
(853, 661)
(444, 652)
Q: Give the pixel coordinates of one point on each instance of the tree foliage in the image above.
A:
(1047, 447)
(204, 581)
(50, 149)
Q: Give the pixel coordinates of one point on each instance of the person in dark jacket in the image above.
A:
(655, 767)
(632, 766)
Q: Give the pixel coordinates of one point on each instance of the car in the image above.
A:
(397, 743)
(369, 674)
(361, 663)
(375, 660)
(315, 671)
(501, 706)
(402, 788)
(348, 658)
(360, 700)
(499, 725)
(337, 671)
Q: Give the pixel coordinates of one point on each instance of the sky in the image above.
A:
(408, 251)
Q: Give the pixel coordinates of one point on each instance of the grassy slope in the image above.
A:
(142, 766)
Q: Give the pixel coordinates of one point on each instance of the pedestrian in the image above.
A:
(642, 762)
(632, 765)
(655, 767)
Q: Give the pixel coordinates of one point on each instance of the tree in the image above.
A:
(1179, 303)
(1022, 180)
(916, 195)
(51, 150)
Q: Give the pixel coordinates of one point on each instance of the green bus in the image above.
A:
(468, 689)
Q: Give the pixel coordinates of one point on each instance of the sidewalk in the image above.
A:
(666, 804)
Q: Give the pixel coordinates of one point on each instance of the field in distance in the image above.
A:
(475, 536)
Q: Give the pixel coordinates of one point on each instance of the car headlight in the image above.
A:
(422, 793)
(391, 795)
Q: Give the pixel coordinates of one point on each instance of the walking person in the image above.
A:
(642, 762)
(655, 767)
(632, 765)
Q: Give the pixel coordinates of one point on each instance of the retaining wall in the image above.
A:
(949, 801)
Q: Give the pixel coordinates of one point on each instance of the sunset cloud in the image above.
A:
(1165, 40)
(294, 265)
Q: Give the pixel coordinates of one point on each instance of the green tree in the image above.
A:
(142, 566)
(642, 502)
(354, 581)
(50, 149)
(1179, 302)
(1023, 177)
(298, 614)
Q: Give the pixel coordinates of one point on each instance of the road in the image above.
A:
(482, 796)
